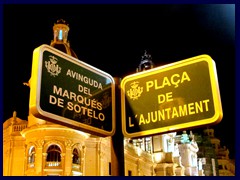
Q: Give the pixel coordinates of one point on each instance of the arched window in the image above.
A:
(76, 156)
(31, 155)
(53, 155)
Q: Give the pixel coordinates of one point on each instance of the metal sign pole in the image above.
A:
(117, 151)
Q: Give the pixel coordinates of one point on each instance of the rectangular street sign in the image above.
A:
(172, 97)
(67, 91)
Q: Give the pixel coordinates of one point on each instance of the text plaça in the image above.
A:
(174, 80)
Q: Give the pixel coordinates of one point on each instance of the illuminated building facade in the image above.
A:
(215, 157)
(46, 149)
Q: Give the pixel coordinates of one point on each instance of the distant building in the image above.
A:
(214, 154)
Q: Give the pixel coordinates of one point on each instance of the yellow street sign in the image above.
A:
(172, 97)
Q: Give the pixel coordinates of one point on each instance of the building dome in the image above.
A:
(60, 40)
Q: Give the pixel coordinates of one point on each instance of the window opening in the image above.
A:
(76, 156)
(31, 156)
(53, 155)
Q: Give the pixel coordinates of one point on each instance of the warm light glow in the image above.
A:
(75, 173)
(157, 157)
(55, 127)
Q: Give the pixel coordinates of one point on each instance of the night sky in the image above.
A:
(113, 38)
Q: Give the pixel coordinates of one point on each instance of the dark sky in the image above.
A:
(113, 38)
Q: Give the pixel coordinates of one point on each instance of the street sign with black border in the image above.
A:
(173, 97)
(70, 92)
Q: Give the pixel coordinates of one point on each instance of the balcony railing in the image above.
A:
(75, 167)
(31, 165)
(18, 128)
(53, 164)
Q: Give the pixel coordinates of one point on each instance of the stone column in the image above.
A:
(68, 159)
(40, 158)
(63, 163)
(83, 160)
(43, 164)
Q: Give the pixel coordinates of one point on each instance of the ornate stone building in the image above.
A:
(47, 149)
(225, 165)
(39, 148)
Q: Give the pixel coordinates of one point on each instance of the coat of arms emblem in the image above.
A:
(135, 91)
(52, 66)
